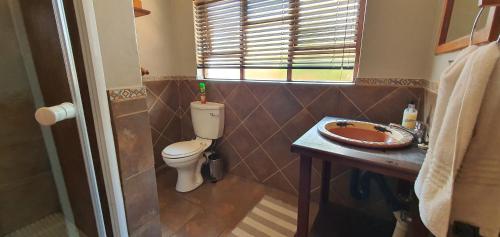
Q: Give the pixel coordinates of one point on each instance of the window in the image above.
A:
(278, 40)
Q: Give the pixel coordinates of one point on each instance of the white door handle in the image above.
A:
(50, 115)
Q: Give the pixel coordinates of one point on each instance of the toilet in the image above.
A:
(187, 156)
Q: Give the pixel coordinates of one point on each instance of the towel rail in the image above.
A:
(483, 4)
(471, 37)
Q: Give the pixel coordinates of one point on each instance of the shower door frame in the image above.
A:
(89, 43)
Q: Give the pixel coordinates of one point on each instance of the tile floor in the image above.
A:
(213, 209)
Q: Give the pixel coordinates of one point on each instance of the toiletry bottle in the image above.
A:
(203, 96)
(410, 116)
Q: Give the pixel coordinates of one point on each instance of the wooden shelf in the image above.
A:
(138, 12)
(491, 3)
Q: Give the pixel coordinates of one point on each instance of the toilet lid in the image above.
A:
(182, 149)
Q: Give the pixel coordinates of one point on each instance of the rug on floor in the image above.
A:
(270, 217)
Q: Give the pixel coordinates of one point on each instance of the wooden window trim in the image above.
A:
(243, 19)
(359, 36)
(294, 25)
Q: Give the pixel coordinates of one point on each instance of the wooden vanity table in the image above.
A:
(399, 163)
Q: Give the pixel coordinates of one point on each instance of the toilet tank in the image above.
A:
(208, 119)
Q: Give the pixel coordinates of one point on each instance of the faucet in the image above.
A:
(419, 132)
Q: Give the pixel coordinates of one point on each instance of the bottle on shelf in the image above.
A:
(410, 116)
(203, 95)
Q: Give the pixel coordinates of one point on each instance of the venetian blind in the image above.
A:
(281, 34)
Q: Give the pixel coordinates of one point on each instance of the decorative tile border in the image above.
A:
(421, 83)
(402, 82)
(433, 86)
(161, 78)
(127, 93)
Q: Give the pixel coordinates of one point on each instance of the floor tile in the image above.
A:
(213, 209)
(175, 212)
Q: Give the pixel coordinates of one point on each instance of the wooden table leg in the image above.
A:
(304, 196)
(325, 182)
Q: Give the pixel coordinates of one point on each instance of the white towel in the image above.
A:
(476, 196)
(461, 95)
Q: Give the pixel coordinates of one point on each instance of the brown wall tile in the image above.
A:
(282, 105)
(186, 96)
(278, 148)
(170, 96)
(160, 115)
(279, 180)
(390, 108)
(133, 136)
(242, 141)
(125, 107)
(141, 200)
(261, 90)
(260, 124)
(271, 116)
(260, 164)
(240, 94)
(306, 93)
(263, 119)
(135, 154)
(230, 156)
(156, 87)
(297, 126)
(325, 104)
(365, 96)
(27, 201)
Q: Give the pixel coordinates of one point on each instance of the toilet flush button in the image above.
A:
(50, 115)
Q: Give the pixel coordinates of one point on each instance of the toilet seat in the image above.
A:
(185, 148)
(187, 158)
(182, 149)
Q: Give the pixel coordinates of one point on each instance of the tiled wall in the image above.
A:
(165, 115)
(27, 189)
(262, 120)
(132, 134)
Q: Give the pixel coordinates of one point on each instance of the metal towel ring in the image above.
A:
(471, 37)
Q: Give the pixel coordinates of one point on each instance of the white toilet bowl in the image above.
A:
(187, 158)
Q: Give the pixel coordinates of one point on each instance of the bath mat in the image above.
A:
(270, 217)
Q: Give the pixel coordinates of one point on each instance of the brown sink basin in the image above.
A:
(365, 134)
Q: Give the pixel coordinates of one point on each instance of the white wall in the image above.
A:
(397, 43)
(397, 39)
(462, 17)
(441, 61)
(184, 37)
(116, 28)
(153, 38)
(166, 38)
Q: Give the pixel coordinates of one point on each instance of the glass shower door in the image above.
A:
(48, 185)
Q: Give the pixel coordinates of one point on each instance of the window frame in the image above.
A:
(289, 68)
